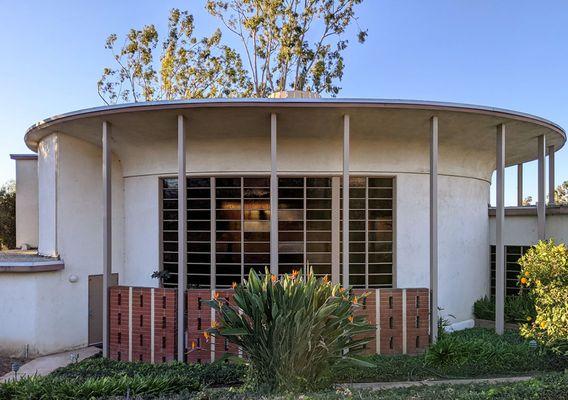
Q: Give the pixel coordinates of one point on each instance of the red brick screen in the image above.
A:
(133, 337)
(403, 328)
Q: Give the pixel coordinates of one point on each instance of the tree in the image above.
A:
(527, 201)
(287, 44)
(561, 194)
(187, 67)
(295, 44)
(8, 215)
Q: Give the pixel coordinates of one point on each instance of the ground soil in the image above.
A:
(6, 364)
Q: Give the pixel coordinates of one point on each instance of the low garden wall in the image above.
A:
(143, 323)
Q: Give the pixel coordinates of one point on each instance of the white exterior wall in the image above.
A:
(47, 312)
(47, 195)
(521, 230)
(26, 203)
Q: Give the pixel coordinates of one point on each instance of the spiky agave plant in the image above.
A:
(293, 329)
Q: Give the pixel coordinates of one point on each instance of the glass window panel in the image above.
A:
(170, 257)
(256, 193)
(357, 258)
(357, 204)
(319, 225)
(319, 247)
(382, 204)
(257, 247)
(291, 204)
(198, 193)
(228, 247)
(224, 204)
(169, 183)
(319, 236)
(291, 236)
(254, 258)
(380, 182)
(257, 226)
(380, 236)
(356, 247)
(170, 215)
(257, 182)
(356, 236)
(382, 214)
(228, 236)
(228, 215)
(380, 193)
(290, 225)
(199, 204)
(170, 205)
(357, 181)
(323, 269)
(319, 193)
(197, 182)
(257, 214)
(257, 236)
(319, 258)
(234, 193)
(291, 247)
(170, 225)
(380, 225)
(318, 204)
(228, 258)
(380, 257)
(228, 225)
(291, 193)
(199, 214)
(380, 268)
(356, 215)
(380, 280)
(195, 247)
(227, 281)
(291, 259)
(380, 247)
(228, 182)
(357, 193)
(358, 269)
(290, 182)
(290, 215)
(198, 236)
(318, 182)
(318, 214)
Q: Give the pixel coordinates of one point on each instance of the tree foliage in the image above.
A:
(286, 44)
(8, 215)
(187, 67)
(561, 194)
(544, 269)
(296, 44)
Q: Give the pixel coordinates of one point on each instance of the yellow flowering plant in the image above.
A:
(292, 329)
(544, 272)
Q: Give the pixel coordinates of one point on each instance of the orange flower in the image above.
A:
(350, 318)
(355, 300)
(526, 273)
(273, 278)
(234, 285)
(216, 295)
(341, 289)
(295, 273)
(214, 325)
(206, 335)
(524, 280)
(325, 279)
(193, 345)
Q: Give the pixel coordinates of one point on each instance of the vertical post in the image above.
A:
(346, 200)
(541, 205)
(213, 237)
(434, 229)
(335, 228)
(107, 232)
(273, 197)
(182, 239)
(551, 177)
(519, 185)
(499, 233)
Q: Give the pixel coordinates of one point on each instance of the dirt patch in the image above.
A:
(6, 364)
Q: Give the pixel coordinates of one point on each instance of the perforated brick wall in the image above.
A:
(142, 324)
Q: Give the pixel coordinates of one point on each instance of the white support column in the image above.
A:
(213, 233)
(273, 197)
(346, 200)
(499, 233)
(541, 205)
(434, 229)
(519, 185)
(551, 177)
(107, 232)
(182, 239)
(335, 228)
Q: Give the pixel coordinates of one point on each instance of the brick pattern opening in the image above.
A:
(402, 315)
(131, 314)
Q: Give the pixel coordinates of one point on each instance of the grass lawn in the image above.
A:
(471, 353)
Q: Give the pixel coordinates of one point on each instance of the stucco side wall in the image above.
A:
(60, 319)
(26, 203)
(18, 310)
(142, 231)
(521, 230)
(47, 195)
(462, 234)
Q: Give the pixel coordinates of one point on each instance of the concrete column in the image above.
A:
(182, 239)
(107, 232)
(335, 228)
(519, 185)
(273, 197)
(551, 177)
(346, 201)
(434, 229)
(541, 205)
(213, 228)
(499, 233)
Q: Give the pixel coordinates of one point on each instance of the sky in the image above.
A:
(507, 53)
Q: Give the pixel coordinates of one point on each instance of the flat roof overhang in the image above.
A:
(460, 124)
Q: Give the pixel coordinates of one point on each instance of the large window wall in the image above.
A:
(228, 228)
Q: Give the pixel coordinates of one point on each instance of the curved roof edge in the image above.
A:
(293, 102)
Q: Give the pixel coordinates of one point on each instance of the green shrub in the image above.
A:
(544, 270)
(99, 377)
(518, 308)
(293, 330)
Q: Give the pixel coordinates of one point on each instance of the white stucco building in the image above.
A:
(265, 184)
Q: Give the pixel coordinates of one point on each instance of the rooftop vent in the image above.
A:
(294, 94)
